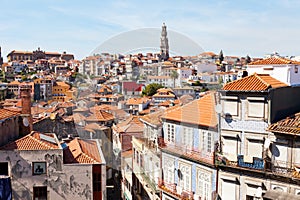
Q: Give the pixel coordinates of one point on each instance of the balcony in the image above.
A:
(279, 168)
(286, 169)
(175, 191)
(190, 153)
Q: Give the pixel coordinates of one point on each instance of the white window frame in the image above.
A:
(171, 133)
(187, 137)
(204, 182)
(186, 172)
(169, 166)
(256, 101)
(228, 106)
(206, 141)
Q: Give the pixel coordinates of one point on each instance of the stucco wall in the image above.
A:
(9, 130)
(62, 181)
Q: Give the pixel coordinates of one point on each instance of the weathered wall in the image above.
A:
(9, 130)
(60, 128)
(62, 181)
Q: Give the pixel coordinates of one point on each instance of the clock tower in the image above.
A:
(164, 44)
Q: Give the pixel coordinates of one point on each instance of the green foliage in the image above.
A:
(197, 83)
(24, 78)
(151, 89)
(174, 75)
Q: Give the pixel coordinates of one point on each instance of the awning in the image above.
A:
(278, 195)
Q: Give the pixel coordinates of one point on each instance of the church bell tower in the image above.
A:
(164, 44)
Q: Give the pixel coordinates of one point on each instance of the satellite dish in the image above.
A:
(25, 122)
(267, 143)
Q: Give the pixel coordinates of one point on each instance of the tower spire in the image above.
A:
(164, 44)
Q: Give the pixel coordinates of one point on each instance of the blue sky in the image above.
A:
(251, 27)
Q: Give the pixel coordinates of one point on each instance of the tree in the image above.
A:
(248, 59)
(151, 89)
(174, 75)
(221, 56)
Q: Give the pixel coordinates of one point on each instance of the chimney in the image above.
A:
(26, 118)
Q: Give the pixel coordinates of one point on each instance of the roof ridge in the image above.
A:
(266, 83)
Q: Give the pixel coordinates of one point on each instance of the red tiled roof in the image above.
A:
(35, 110)
(154, 118)
(34, 141)
(255, 82)
(77, 117)
(274, 61)
(200, 112)
(100, 115)
(132, 86)
(102, 107)
(94, 126)
(105, 87)
(5, 113)
(66, 104)
(82, 151)
(137, 101)
(289, 125)
(130, 125)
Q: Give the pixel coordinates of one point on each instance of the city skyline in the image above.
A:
(255, 28)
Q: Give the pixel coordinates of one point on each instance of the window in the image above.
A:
(230, 105)
(207, 141)
(203, 183)
(171, 133)
(187, 137)
(40, 193)
(142, 160)
(4, 168)
(296, 69)
(184, 176)
(254, 147)
(38, 168)
(137, 157)
(256, 107)
(169, 170)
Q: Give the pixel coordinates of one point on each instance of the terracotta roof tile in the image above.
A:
(82, 151)
(255, 82)
(274, 61)
(101, 116)
(102, 107)
(94, 126)
(34, 141)
(103, 88)
(5, 113)
(200, 112)
(137, 101)
(289, 125)
(131, 125)
(154, 118)
(132, 86)
(66, 105)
